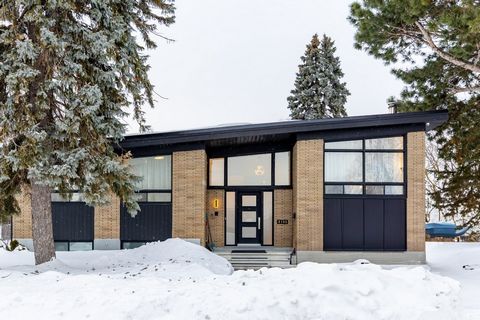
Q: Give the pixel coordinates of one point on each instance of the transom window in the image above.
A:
(368, 166)
(264, 169)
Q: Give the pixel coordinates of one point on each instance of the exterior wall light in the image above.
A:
(216, 203)
(259, 171)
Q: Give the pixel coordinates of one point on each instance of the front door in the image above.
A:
(249, 217)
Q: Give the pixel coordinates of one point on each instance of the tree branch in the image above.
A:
(465, 89)
(459, 63)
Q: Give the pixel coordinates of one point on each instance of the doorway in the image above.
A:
(249, 217)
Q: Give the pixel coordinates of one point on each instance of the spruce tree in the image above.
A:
(70, 72)
(319, 91)
(439, 45)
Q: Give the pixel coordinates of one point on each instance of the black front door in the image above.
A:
(249, 217)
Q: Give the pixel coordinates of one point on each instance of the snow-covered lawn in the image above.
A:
(178, 280)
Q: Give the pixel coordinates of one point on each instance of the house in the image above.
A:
(326, 190)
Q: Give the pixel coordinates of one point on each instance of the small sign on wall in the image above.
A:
(282, 221)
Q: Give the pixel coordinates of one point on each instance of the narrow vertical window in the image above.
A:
(216, 169)
(230, 219)
(267, 218)
(282, 168)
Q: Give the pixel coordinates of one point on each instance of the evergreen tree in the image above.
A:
(70, 71)
(446, 36)
(319, 92)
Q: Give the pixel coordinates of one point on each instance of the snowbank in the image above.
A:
(179, 280)
(170, 258)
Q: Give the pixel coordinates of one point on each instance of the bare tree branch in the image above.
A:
(459, 63)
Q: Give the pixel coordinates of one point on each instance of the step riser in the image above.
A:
(244, 261)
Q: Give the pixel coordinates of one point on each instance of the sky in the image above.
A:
(234, 61)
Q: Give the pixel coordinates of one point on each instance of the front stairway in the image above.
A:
(250, 257)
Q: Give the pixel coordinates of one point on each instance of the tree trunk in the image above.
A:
(42, 229)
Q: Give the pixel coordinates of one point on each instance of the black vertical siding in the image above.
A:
(374, 221)
(395, 225)
(152, 223)
(333, 224)
(352, 232)
(370, 224)
(72, 221)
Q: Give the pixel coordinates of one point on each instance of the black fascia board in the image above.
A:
(431, 119)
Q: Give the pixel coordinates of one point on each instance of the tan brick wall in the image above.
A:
(189, 194)
(294, 194)
(308, 194)
(217, 223)
(22, 223)
(416, 191)
(107, 220)
(283, 209)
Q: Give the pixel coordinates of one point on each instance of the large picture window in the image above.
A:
(156, 178)
(343, 167)
(262, 169)
(383, 167)
(253, 170)
(370, 166)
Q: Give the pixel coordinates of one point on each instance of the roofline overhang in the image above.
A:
(430, 119)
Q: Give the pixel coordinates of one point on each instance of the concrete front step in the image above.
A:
(256, 258)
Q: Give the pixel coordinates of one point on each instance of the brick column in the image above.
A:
(22, 223)
(283, 209)
(189, 194)
(216, 222)
(308, 194)
(416, 191)
(107, 225)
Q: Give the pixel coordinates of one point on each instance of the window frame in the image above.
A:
(272, 170)
(273, 185)
(139, 191)
(68, 242)
(147, 191)
(364, 183)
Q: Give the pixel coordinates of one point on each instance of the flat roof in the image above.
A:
(430, 119)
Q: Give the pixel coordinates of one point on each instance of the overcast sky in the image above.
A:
(234, 61)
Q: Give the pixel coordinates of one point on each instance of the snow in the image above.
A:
(460, 261)
(175, 279)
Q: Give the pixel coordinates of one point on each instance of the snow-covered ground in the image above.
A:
(179, 280)
(460, 261)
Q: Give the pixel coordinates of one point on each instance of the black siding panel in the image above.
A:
(370, 224)
(395, 224)
(152, 223)
(373, 224)
(333, 224)
(353, 224)
(72, 221)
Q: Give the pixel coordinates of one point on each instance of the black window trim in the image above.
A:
(69, 241)
(169, 190)
(365, 183)
(263, 187)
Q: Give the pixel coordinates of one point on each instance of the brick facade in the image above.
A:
(416, 191)
(216, 222)
(191, 201)
(308, 194)
(189, 194)
(107, 220)
(283, 209)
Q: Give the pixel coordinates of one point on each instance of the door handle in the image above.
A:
(259, 223)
